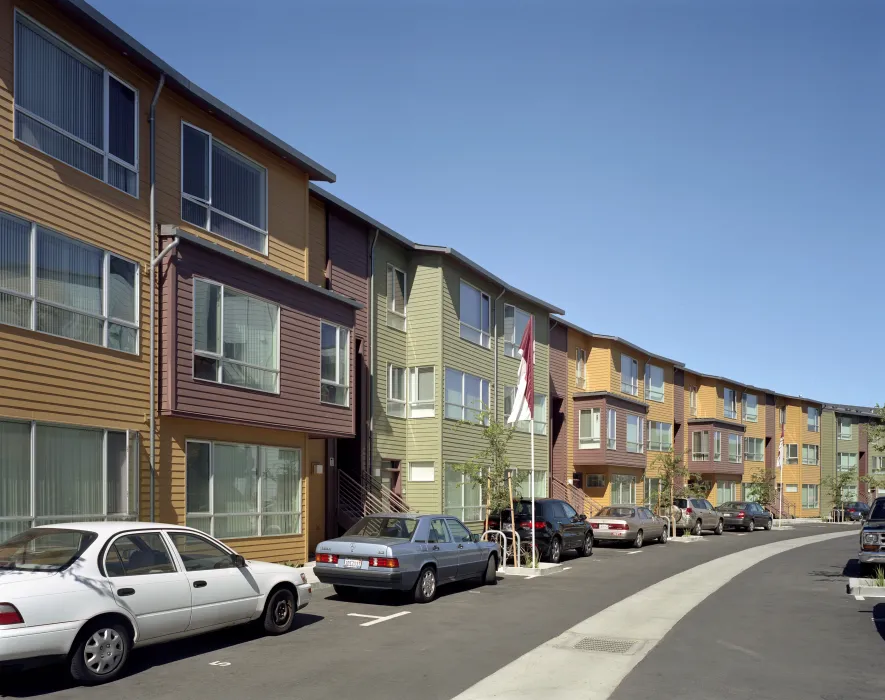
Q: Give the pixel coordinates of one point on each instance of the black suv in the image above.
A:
(558, 526)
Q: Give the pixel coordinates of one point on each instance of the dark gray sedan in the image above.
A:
(404, 552)
(745, 514)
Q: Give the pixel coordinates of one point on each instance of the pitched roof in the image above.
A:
(569, 324)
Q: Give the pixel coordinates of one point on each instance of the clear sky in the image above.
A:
(703, 178)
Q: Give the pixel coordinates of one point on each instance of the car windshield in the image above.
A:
(617, 513)
(878, 512)
(733, 505)
(44, 549)
(384, 527)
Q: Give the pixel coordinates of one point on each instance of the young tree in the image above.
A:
(762, 488)
(836, 486)
(876, 430)
(674, 478)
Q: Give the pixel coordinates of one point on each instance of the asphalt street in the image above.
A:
(791, 608)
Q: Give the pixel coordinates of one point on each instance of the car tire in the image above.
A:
(587, 549)
(696, 530)
(490, 575)
(346, 592)
(100, 652)
(719, 528)
(279, 612)
(637, 542)
(425, 586)
(752, 526)
(665, 534)
(554, 553)
(768, 524)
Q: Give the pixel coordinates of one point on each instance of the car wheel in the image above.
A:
(719, 528)
(346, 592)
(768, 524)
(587, 549)
(279, 613)
(425, 586)
(555, 552)
(665, 533)
(752, 526)
(696, 530)
(637, 543)
(490, 575)
(100, 653)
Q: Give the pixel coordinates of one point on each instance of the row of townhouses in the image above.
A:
(193, 331)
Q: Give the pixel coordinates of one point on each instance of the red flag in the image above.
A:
(524, 401)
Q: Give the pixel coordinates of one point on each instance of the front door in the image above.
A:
(147, 584)
(443, 550)
(221, 593)
(471, 557)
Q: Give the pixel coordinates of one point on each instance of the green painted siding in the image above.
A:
(827, 457)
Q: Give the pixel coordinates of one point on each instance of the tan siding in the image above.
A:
(317, 243)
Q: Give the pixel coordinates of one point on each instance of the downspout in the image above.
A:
(495, 371)
(153, 282)
(372, 342)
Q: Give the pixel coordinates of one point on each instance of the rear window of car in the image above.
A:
(617, 513)
(44, 549)
(385, 528)
(680, 502)
(523, 509)
(733, 505)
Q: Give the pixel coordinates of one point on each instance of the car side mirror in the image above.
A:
(475, 537)
(582, 517)
(238, 560)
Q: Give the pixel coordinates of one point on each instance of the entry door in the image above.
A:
(443, 550)
(471, 557)
(390, 479)
(221, 593)
(148, 585)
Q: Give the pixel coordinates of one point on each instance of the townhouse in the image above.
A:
(845, 447)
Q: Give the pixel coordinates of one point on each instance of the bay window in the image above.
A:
(396, 391)
(236, 338)
(334, 364)
(588, 429)
(611, 430)
(660, 436)
(72, 109)
(654, 383)
(717, 446)
(222, 191)
(57, 474)
(515, 322)
(629, 375)
(61, 286)
(236, 490)
(735, 446)
(634, 433)
(474, 315)
(467, 397)
(700, 446)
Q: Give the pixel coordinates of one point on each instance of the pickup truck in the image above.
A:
(872, 536)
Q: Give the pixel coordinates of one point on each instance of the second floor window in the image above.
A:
(629, 375)
(467, 397)
(730, 403)
(611, 430)
(334, 364)
(474, 315)
(58, 285)
(751, 408)
(580, 367)
(792, 453)
(515, 322)
(540, 412)
(717, 446)
(693, 401)
(844, 428)
(222, 191)
(700, 446)
(588, 429)
(654, 383)
(754, 449)
(813, 419)
(846, 461)
(236, 337)
(811, 454)
(634, 433)
(422, 392)
(877, 465)
(72, 109)
(660, 436)
(396, 391)
(782, 415)
(734, 449)
(396, 298)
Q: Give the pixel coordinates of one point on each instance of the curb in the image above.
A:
(528, 572)
(858, 588)
(686, 540)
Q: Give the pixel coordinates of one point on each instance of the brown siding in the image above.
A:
(679, 413)
(297, 406)
(772, 430)
(559, 378)
(316, 252)
(710, 466)
(618, 457)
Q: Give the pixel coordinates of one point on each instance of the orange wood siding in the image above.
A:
(316, 252)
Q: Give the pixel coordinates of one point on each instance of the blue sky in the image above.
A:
(705, 179)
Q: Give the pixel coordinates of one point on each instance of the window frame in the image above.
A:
(729, 408)
(788, 458)
(843, 420)
(483, 298)
(83, 57)
(877, 459)
(639, 445)
(167, 543)
(660, 446)
(346, 385)
(580, 368)
(404, 403)
(632, 388)
(807, 489)
(411, 402)
(484, 388)
(423, 464)
(219, 357)
(514, 344)
(611, 429)
(648, 377)
(462, 489)
(585, 442)
(751, 455)
(32, 297)
(693, 401)
(523, 426)
(392, 271)
(598, 479)
(208, 204)
(813, 426)
(700, 455)
(738, 442)
(806, 449)
(746, 410)
(849, 467)
(717, 445)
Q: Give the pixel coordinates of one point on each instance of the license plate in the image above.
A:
(353, 563)
(603, 526)
(506, 527)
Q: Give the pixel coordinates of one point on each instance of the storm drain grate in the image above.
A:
(606, 645)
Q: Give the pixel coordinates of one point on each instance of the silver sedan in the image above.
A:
(628, 523)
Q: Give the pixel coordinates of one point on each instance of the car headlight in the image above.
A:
(870, 538)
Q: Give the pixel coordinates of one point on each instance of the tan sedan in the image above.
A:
(628, 523)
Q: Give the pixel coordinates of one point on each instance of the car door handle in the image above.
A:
(435, 548)
(200, 584)
(125, 591)
(460, 546)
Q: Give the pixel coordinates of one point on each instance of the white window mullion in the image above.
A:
(219, 372)
(33, 446)
(104, 473)
(33, 243)
(211, 489)
(260, 463)
(209, 191)
(106, 127)
(106, 275)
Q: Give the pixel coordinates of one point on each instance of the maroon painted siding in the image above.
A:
(558, 392)
(709, 466)
(679, 413)
(297, 406)
(772, 431)
(863, 443)
(603, 456)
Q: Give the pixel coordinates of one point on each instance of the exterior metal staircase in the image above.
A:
(356, 500)
(575, 497)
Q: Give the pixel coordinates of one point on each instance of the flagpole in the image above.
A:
(532, 442)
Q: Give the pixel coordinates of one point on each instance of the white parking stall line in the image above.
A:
(377, 619)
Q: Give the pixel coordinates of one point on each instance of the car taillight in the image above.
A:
(742, 514)
(527, 524)
(595, 526)
(689, 510)
(618, 526)
(494, 524)
(327, 558)
(384, 563)
(9, 615)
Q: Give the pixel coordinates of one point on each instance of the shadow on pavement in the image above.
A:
(399, 599)
(53, 679)
(851, 568)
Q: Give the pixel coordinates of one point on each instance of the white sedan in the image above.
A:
(88, 593)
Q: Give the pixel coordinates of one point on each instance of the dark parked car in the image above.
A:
(745, 514)
(853, 510)
(872, 538)
(558, 526)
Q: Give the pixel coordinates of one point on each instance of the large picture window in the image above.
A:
(540, 412)
(735, 446)
(222, 191)
(654, 383)
(629, 375)
(845, 428)
(811, 454)
(236, 338)
(754, 449)
(475, 315)
(57, 285)
(515, 322)
(634, 433)
(463, 498)
(467, 397)
(72, 109)
(660, 436)
(335, 365)
(238, 490)
(813, 419)
(75, 474)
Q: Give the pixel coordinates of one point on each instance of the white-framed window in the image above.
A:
(62, 473)
(810, 496)
(735, 447)
(845, 428)
(595, 481)
(782, 415)
(717, 446)
(730, 405)
(222, 191)
(726, 491)
(792, 488)
(693, 401)
(877, 464)
(654, 383)
(611, 430)
(463, 498)
(580, 367)
(73, 109)
(467, 397)
(792, 453)
(422, 471)
(515, 322)
(396, 298)
(660, 436)
(475, 315)
(813, 419)
(846, 461)
(522, 482)
(652, 487)
(754, 449)
(634, 433)
(811, 454)
(623, 489)
(589, 437)
(700, 446)
(237, 490)
(55, 284)
(422, 392)
(751, 408)
(540, 414)
(748, 491)
(236, 337)
(629, 375)
(396, 391)
(334, 364)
